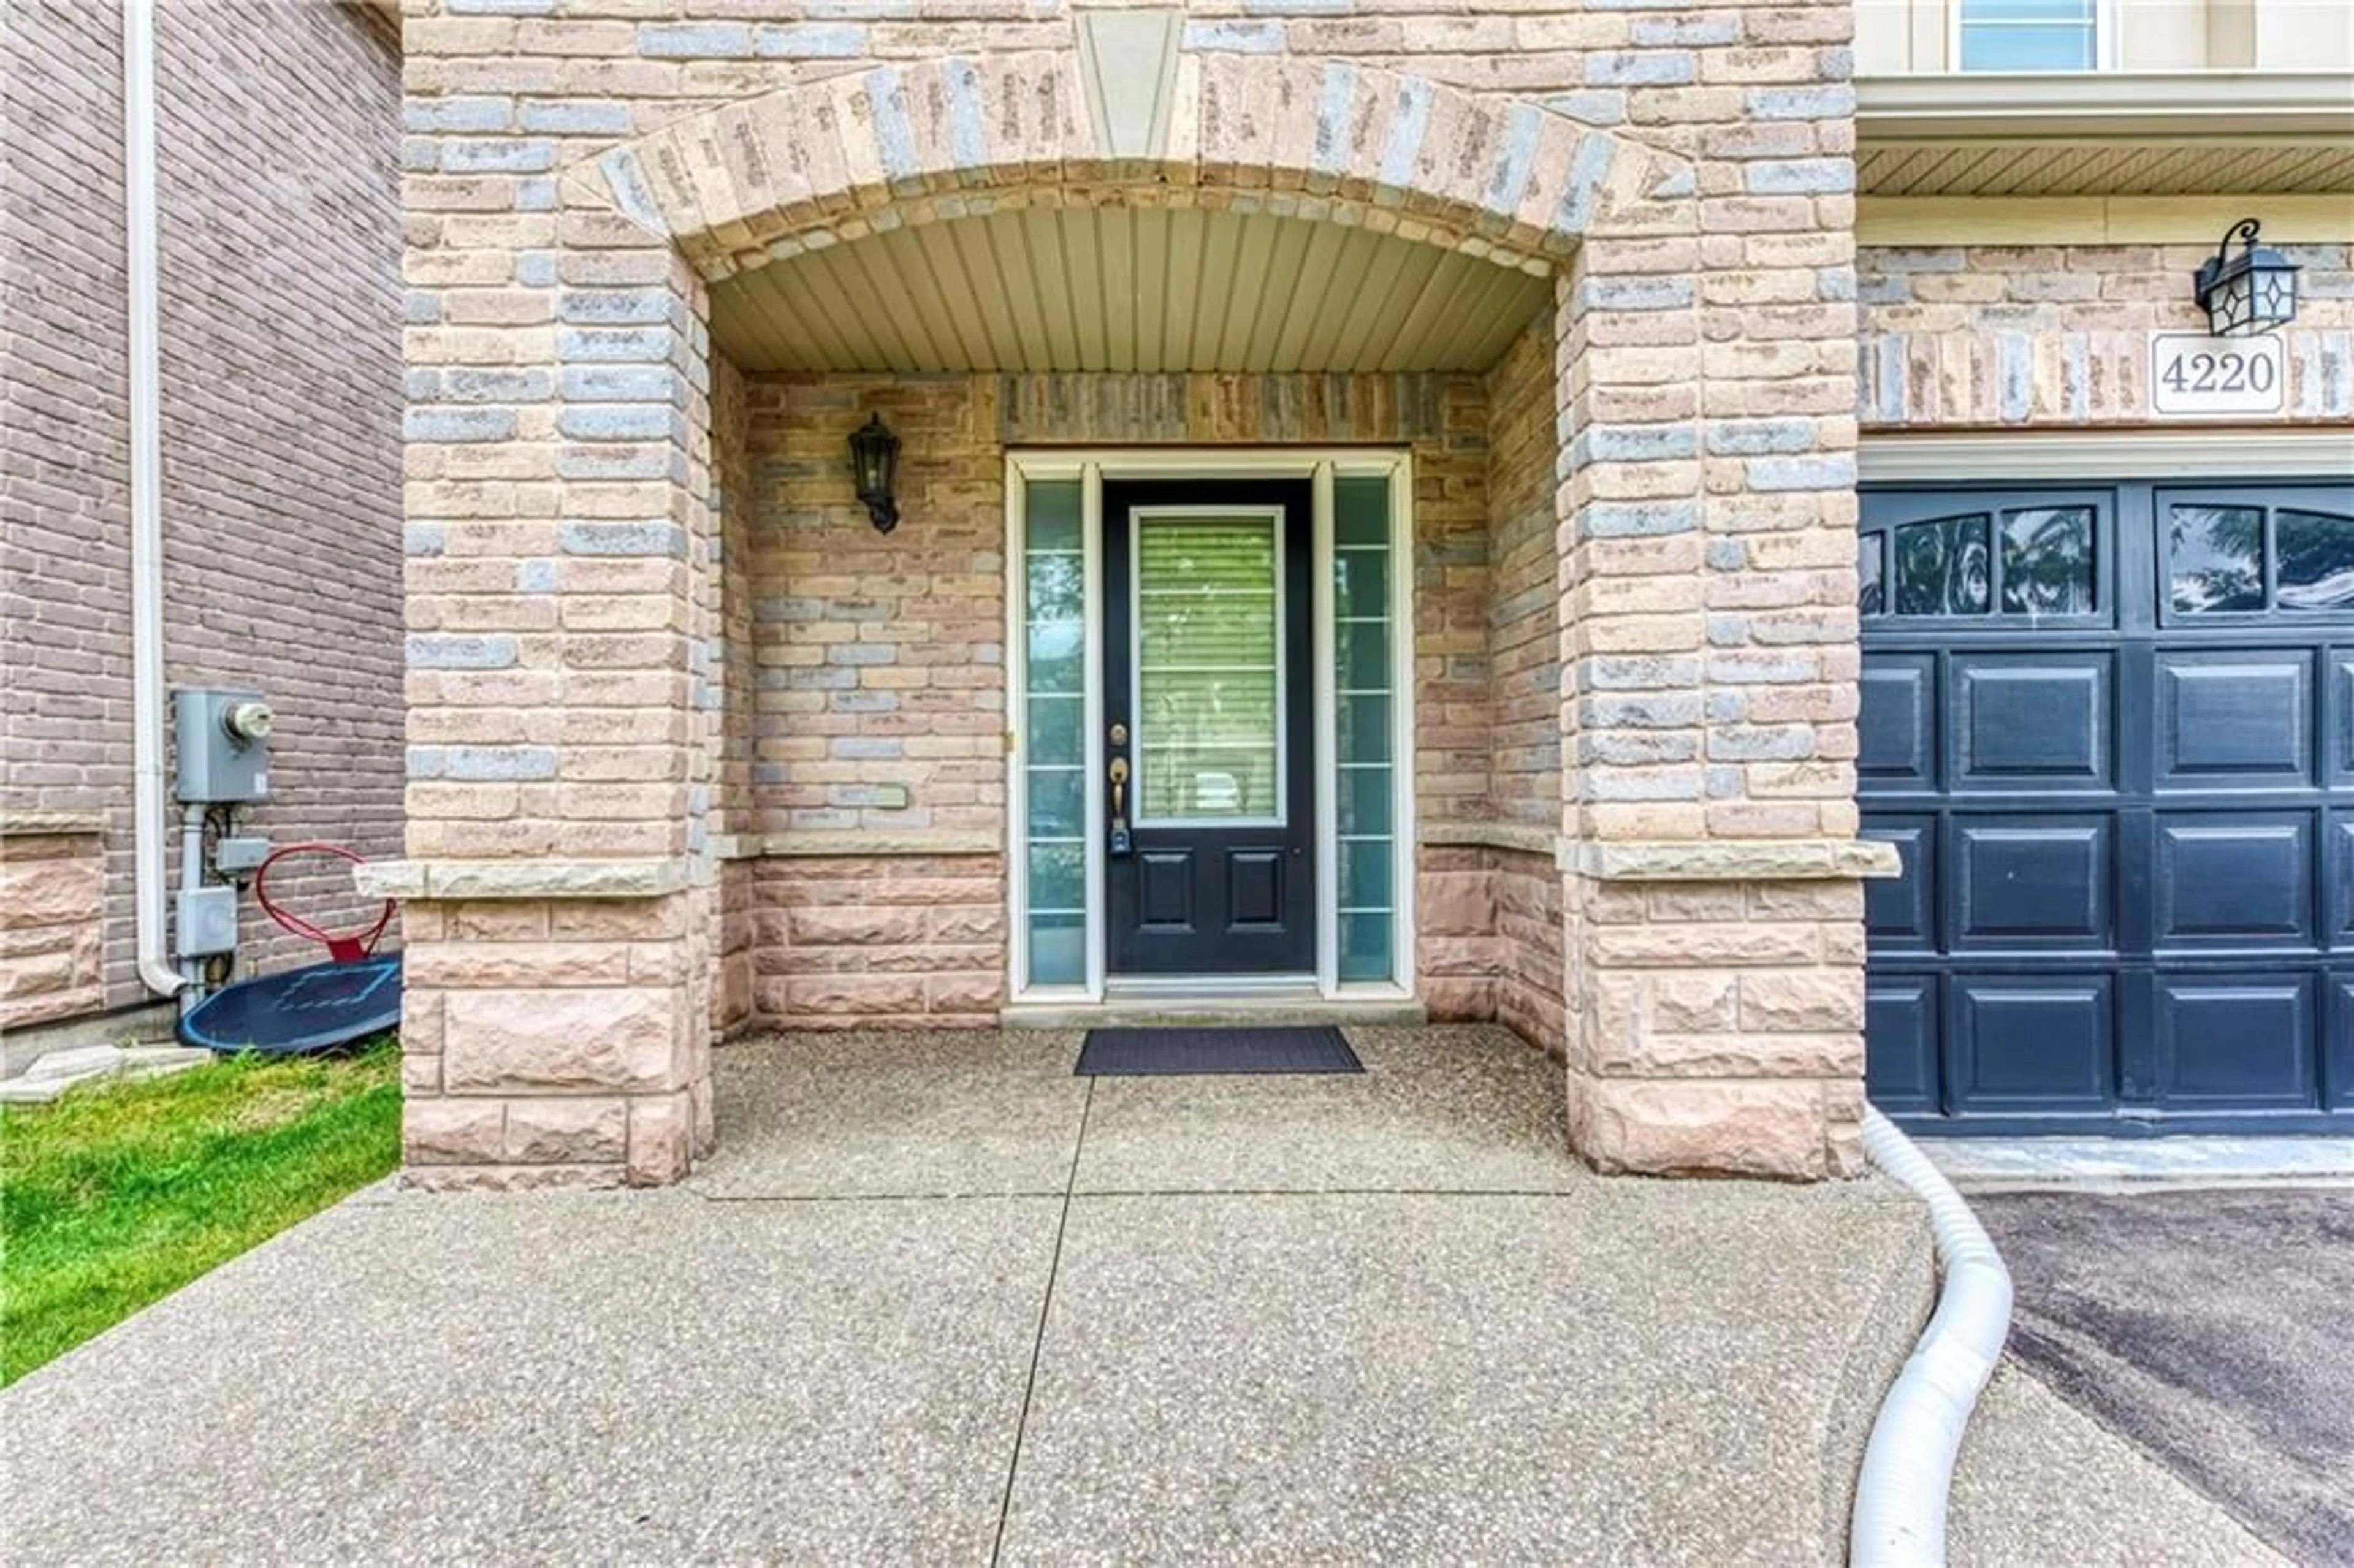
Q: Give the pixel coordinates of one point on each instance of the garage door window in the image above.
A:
(2047, 561)
(2230, 559)
(2034, 562)
(2316, 560)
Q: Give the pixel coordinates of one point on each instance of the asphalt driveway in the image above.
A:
(2214, 1327)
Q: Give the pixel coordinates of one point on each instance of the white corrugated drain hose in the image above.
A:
(1908, 1466)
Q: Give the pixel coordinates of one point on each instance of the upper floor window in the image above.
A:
(2030, 34)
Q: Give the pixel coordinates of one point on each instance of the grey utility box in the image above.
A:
(224, 746)
(208, 922)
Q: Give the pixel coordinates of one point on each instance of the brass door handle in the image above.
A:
(1118, 784)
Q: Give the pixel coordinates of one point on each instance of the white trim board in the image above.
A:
(1900, 459)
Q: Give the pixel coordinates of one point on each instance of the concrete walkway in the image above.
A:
(936, 1300)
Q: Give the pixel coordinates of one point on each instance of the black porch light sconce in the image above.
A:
(875, 465)
(2253, 292)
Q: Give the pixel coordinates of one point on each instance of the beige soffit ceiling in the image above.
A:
(1059, 289)
(2107, 133)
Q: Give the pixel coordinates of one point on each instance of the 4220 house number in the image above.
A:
(2191, 375)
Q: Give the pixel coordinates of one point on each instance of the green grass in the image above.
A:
(116, 1196)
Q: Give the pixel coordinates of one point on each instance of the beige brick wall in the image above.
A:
(556, 1042)
(1703, 376)
(731, 434)
(1729, 1018)
(877, 661)
(1524, 653)
(2056, 335)
(277, 126)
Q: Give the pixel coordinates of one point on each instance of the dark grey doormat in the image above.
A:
(1170, 1052)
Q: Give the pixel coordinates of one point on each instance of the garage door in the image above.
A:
(2110, 730)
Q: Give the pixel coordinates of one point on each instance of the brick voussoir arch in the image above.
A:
(827, 161)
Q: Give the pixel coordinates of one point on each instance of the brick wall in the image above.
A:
(855, 939)
(1730, 1009)
(550, 1043)
(2057, 334)
(731, 435)
(877, 661)
(1525, 641)
(279, 251)
(1523, 611)
(1704, 379)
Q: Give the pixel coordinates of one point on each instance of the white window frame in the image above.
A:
(1320, 466)
(2106, 15)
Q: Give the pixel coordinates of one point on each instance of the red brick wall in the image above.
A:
(278, 127)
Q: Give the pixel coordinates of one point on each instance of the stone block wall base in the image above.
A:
(850, 942)
(556, 1042)
(52, 905)
(1779, 1131)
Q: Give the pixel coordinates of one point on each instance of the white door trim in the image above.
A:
(1092, 466)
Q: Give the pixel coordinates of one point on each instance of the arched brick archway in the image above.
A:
(830, 161)
(1696, 914)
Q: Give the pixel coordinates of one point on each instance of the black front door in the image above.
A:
(1208, 733)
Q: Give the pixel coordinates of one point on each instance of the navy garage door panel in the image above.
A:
(2110, 731)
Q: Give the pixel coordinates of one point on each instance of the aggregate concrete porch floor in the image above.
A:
(936, 1300)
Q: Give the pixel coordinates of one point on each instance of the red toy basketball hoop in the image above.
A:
(342, 949)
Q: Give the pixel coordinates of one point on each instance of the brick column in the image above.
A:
(1713, 905)
(562, 610)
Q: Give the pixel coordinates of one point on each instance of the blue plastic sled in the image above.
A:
(298, 1011)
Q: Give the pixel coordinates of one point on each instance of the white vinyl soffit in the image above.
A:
(1148, 290)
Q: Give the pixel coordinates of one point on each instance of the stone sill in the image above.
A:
(50, 824)
(852, 843)
(495, 879)
(1756, 859)
(1775, 860)
(1492, 835)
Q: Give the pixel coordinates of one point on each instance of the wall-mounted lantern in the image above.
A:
(875, 465)
(2255, 291)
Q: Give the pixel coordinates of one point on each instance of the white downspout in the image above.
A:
(1908, 1467)
(146, 494)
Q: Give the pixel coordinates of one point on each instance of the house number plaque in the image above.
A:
(2192, 377)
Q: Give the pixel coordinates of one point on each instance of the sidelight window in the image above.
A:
(1363, 654)
(1053, 614)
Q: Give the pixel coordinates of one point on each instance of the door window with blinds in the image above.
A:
(1208, 615)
